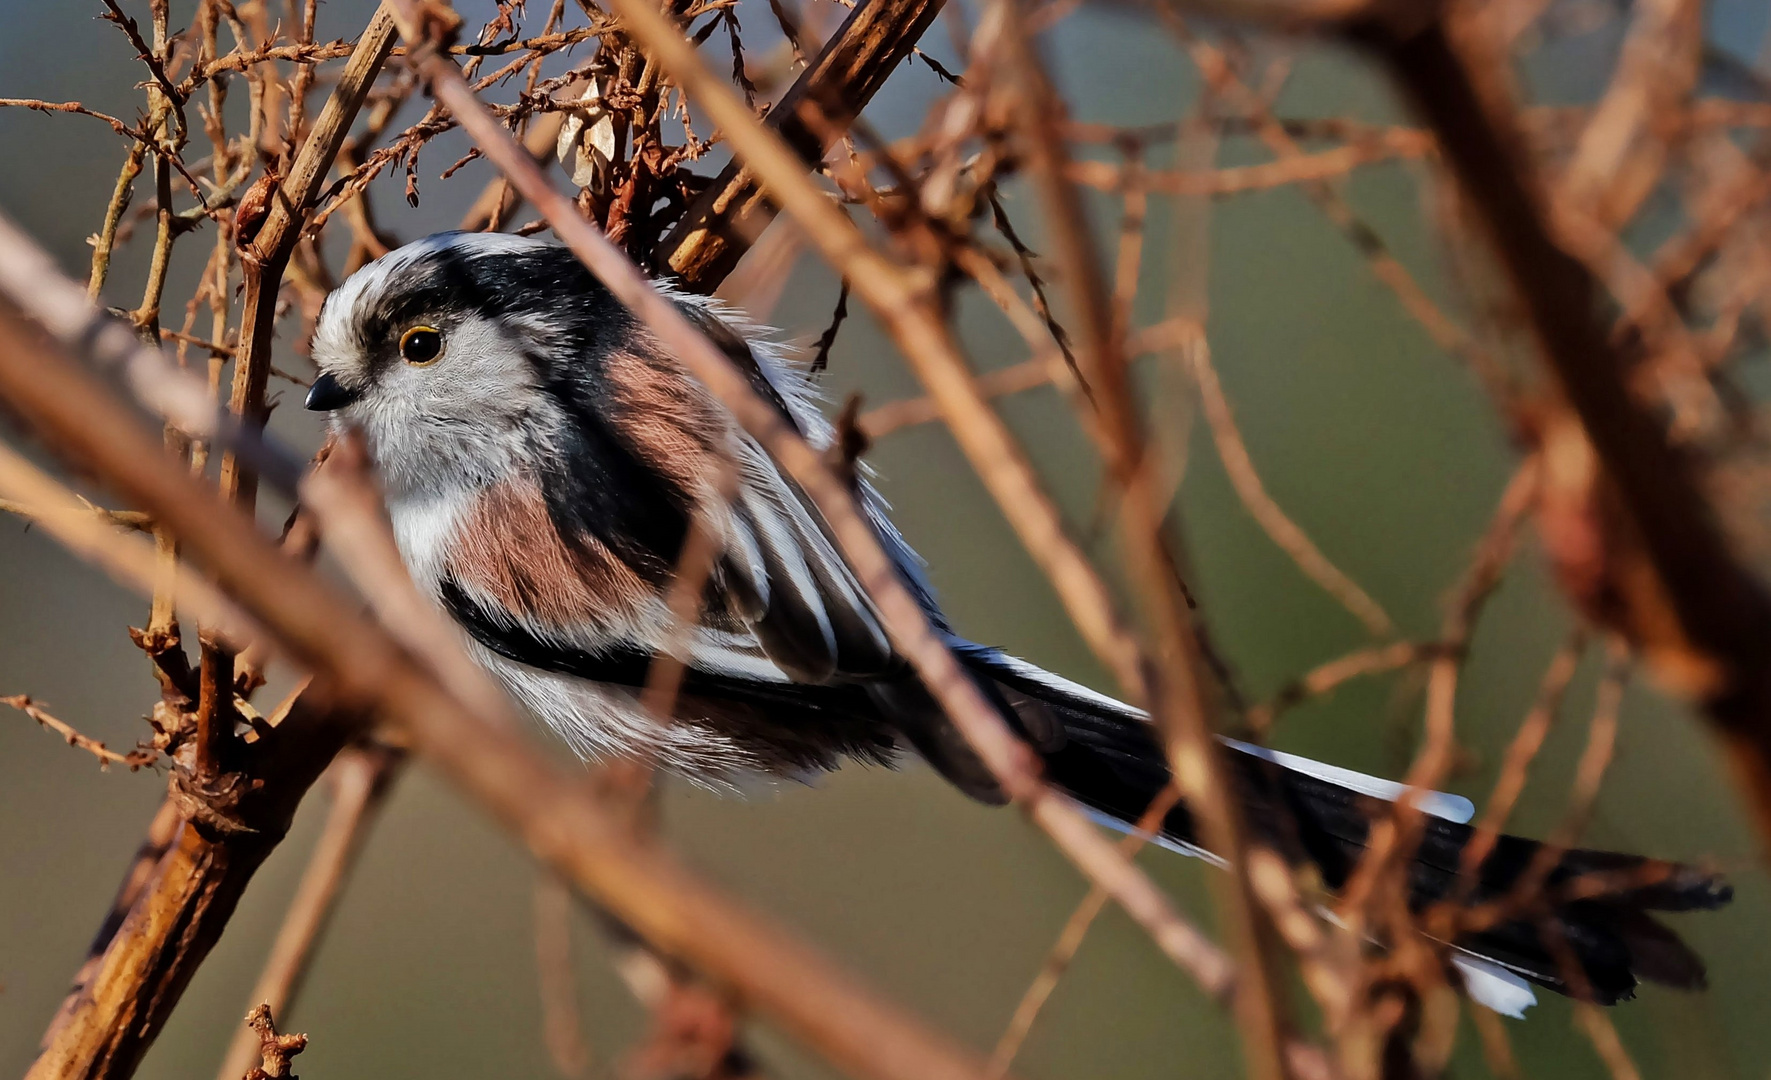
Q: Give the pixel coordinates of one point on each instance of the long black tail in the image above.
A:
(1103, 753)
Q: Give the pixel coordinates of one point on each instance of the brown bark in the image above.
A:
(148, 953)
(360, 780)
(268, 254)
(110, 1019)
(719, 227)
(564, 824)
(1010, 761)
(113, 1016)
(1181, 699)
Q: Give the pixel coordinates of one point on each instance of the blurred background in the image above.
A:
(1385, 450)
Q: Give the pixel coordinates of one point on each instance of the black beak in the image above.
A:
(328, 394)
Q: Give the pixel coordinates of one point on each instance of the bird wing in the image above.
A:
(583, 555)
(785, 625)
(809, 613)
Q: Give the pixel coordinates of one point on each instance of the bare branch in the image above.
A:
(1063, 950)
(107, 757)
(728, 217)
(290, 203)
(360, 779)
(134, 520)
(563, 823)
(73, 107)
(1008, 758)
(1702, 620)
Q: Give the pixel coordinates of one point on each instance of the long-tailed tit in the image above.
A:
(544, 461)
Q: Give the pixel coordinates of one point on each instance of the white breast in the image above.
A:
(424, 528)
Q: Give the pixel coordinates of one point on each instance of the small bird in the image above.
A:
(545, 460)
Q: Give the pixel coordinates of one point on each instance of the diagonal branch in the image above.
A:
(119, 1010)
(719, 227)
(183, 909)
(1252, 491)
(1701, 618)
(907, 308)
(180, 891)
(107, 757)
(268, 254)
(363, 667)
(1008, 758)
(1180, 697)
(361, 778)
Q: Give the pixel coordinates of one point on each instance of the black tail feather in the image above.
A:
(1597, 901)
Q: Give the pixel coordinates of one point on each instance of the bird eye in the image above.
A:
(420, 345)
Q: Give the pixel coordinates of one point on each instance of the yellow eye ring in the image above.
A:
(421, 345)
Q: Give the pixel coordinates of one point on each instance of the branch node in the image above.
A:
(214, 802)
(275, 1049)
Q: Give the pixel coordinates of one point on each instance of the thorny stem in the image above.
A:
(1063, 950)
(647, 77)
(162, 634)
(141, 973)
(276, 239)
(106, 239)
(263, 262)
(107, 757)
(162, 629)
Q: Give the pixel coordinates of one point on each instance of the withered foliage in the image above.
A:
(1615, 367)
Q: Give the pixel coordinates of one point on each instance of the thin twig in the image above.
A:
(1179, 698)
(134, 520)
(1393, 840)
(1702, 620)
(107, 757)
(1277, 524)
(560, 1029)
(124, 555)
(1063, 951)
(722, 223)
(1325, 677)
(293, 197)
(1214, 66)
(1009, 759)
(73, 107)
(360, 779)
(564, 824)
(105, 241)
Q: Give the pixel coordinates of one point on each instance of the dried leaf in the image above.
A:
(587, 141)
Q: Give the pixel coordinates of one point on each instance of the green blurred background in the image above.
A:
(1377, 443)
